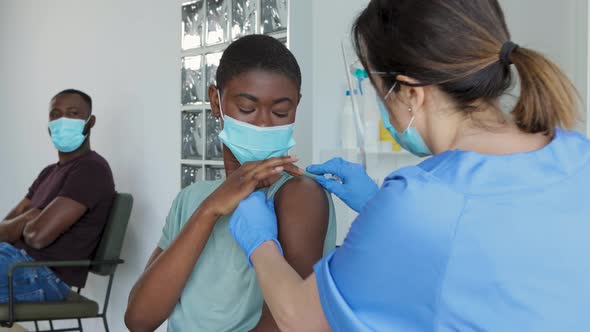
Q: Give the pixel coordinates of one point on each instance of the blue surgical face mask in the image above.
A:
(409, 139)
(67, 134)
(252, 143)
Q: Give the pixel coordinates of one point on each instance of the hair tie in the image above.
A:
(506, 52)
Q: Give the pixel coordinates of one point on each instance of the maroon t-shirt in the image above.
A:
(87, 180)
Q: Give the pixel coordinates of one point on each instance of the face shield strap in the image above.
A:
(395, 74)
(390, 90)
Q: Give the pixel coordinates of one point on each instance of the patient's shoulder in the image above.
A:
(299, 194)
(197, 192)
(302, 186)
(303, 213)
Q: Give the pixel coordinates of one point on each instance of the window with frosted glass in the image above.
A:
(190, 174)
(207, 28)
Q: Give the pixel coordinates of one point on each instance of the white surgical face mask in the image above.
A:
(252, 143)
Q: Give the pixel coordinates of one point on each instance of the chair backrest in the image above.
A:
(111, 242)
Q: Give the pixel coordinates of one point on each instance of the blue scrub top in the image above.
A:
(469, 242)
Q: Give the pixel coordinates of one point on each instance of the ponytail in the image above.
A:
(547, 97)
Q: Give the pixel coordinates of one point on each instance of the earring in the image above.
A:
(410, 110)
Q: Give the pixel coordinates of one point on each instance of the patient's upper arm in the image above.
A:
(302, 210)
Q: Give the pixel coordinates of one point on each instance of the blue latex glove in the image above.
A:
(253, 223)
(356, 188)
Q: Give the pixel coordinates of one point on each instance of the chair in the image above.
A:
(76, 306)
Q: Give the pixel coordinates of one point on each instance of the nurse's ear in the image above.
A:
(411, 94)
(215, 102)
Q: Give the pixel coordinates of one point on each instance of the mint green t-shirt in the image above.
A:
(222, 293)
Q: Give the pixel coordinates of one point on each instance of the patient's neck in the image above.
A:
(230, 162)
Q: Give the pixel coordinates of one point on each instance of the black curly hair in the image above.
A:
(257, 52)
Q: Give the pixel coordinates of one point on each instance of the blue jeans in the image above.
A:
(31, 284)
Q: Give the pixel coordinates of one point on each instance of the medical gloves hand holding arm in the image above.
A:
(253, 223)
(254, 227)
(356, 189)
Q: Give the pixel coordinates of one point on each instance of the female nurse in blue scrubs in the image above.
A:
(491, 232)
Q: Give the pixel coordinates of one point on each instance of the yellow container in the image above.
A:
(385, 136)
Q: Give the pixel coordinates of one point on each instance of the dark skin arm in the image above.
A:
(23, 206)
(11, 228)
(39, 228)
(57, 217)
(157, 291)
(302, 211)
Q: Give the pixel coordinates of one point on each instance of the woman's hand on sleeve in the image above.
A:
(241, 183)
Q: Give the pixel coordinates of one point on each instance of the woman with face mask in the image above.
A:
(198, 278)
(488, 234)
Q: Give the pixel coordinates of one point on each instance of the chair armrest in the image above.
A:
(62, 264)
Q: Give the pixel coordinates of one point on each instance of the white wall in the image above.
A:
(126, 55)
(301, 30)
(558, 29)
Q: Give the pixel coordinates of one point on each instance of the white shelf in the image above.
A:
(193, 162)
(207, 49)
(196, 107)
(280, 35)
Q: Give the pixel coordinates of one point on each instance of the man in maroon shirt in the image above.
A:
(64, 213)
